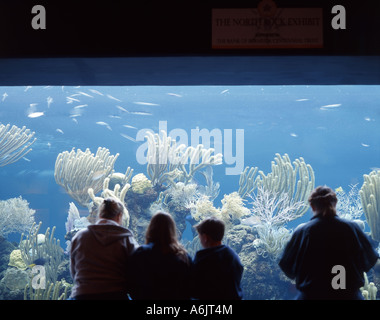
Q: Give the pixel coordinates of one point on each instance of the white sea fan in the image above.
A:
(183, 194)
(275, 209)
(15, 216)
(349, 205)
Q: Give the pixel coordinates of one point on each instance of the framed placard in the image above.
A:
(267, 26)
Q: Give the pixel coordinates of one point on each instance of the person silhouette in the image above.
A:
(328, 256)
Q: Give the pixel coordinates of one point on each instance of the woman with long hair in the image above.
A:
(327, 256)
(160, 268)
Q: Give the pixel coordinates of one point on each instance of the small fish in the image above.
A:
(96, 91)
(85, 94)
(225, 91)
(26, 159)
(71, 99)
(102, 123)
(128, 137)
(32, 105)
(330, 106)
(81, 106)
(367, 119)
(113, 98)
(128, 126)
(49, 145)
(294, 135)
(75, 120)
(122, 109)
(47, 87)
(141, 113)
(174, 95)
(114, 117)
(49, 101)
(141, 103)
(4, 96)
(59, 130)
(365, 145)
(339, 190)
(27, 88)
(35, 114)
(299, 100)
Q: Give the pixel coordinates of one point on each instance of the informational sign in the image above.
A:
(267, 26)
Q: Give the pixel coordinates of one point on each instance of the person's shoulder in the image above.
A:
(348, 225)
(142, 249)
(227, 250)
(80, 234)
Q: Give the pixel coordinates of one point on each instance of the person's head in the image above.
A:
(323, 201)
(162, 232)
(112, 209)
(211, 232)
(161, 229)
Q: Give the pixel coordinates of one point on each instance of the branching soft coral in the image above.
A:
(15, 216)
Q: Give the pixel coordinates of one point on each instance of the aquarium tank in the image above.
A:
(248, 154)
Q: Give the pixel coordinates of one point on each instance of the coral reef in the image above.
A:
(271, 241)
(181, 194)
(59, 290)
(204, 208)
(349, 205)
(120, 178)
(74, 221)
(50, 251)
(274, 209)
(369, 290)
(231, 212)
(211, 189)
(370, 197)
(262, 280)
(247, 181)
(233, 208)
(115, 193)
(15, 216)
(140, 183)
(271, 212)
(139, 208)
(282, 179)
(281, 197)
(16, 279)
(15, 143)
(79, 171)
(6, 249)
(16, 260)
(166, 160)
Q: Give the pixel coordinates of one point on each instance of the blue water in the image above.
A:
(341, 141)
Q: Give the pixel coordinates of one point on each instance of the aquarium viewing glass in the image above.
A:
(323, 135)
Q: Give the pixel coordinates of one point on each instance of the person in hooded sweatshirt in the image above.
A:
(100, 254)
(217, 270)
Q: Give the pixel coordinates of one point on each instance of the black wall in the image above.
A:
(83, 28)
